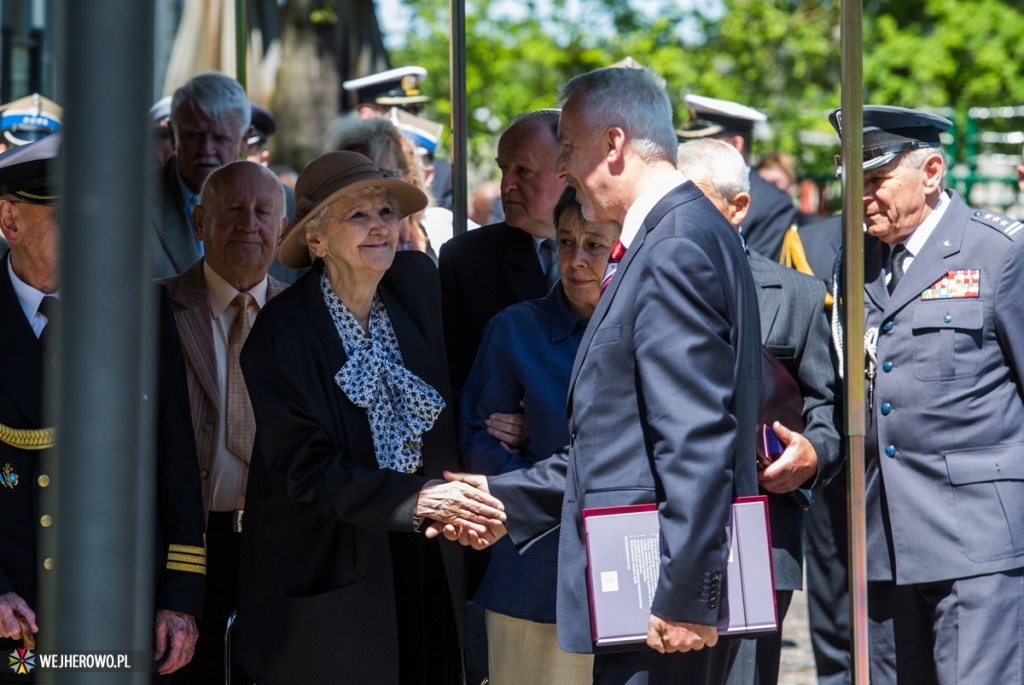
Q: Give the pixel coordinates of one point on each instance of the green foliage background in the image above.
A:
(780, 56)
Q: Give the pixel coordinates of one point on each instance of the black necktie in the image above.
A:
(899, 253)
(50, 308)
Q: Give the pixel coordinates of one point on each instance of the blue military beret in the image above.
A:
(890, 131)
(30, 171)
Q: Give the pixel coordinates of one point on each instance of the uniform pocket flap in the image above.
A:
(1004, 462)
(962, 314)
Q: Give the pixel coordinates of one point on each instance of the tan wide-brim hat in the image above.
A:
(329, 177)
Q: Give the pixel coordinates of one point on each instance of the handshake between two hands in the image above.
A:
(462, 509)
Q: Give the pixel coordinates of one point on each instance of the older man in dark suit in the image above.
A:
(664, 391)
(794, 329)
(944, 465)
(210, 121)
(489, 268)
(239, 217)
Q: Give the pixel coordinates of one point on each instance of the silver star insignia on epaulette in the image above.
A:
(946, 243)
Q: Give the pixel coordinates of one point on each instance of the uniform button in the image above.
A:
(204, 474)
(716, 574)
(886, 408)
(713, 604)
(890, 450)
(887, 366)
(48, 564)
(43, 480)
(947, 318)
(887, 326)
(46, 520)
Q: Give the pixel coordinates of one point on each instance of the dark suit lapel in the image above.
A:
(607, 297)
(769, 295)
(522, 268)
(173, 228)
(21, 352)
(875, 256)
(930, 265)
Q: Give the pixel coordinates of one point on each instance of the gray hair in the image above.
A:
(716, 163)
(216, 95)
(547, 118)
(631, 99)
(915, 158)
(317, 223)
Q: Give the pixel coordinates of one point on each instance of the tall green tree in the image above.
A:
(780, 56)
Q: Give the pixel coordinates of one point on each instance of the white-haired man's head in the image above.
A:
(718, 169)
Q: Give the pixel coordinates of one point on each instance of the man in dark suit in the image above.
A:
(239, 217)
(664, 391)
(210, 122)
(28, 276)
(794, 329)
(944, 470)
(771, 211)
(489, 268)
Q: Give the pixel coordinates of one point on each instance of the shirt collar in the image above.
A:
(564, 320)
(656, 186)
(28, 297)
(220, 293)
(917, 239)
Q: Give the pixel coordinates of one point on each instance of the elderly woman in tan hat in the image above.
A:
(348, 381)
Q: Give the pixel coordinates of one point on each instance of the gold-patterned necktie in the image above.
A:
(241, 424)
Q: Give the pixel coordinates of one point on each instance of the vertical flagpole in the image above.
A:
(97, 547)
(853, 312)
(457, 12)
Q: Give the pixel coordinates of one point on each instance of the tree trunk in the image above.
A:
(315, 59)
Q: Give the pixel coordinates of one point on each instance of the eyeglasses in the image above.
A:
(54, 205)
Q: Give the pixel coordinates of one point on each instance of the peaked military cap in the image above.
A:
(711, 116)
(263, 124)
(392, 88)
(28, 119)
(30, 171)
(890, 131)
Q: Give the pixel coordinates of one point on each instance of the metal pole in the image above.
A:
(853, 312)
(102, 542)
(457, 12)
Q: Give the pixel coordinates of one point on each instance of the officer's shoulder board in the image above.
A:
(1009, 227)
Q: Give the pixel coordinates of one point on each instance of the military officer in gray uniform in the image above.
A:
(944, 450)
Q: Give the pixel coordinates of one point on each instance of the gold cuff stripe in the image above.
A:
(28, 438)
(187, 558)
(187, 549)
(188, 568)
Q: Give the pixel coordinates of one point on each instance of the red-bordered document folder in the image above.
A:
(624, 560)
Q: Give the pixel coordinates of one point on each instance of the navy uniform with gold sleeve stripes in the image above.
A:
(944, 446)
(26, 179)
